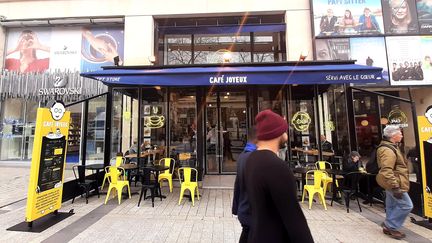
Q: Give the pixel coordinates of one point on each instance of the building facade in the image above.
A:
(74, 37)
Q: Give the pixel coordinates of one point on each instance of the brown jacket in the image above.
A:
(393, 168)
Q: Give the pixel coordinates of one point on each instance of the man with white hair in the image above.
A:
(393, 177)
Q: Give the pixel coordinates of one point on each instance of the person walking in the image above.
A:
(240, 206)
(271, 187)
(393, 177)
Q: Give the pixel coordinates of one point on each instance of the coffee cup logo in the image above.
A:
(428, 114)
(301, 121)
(154, 121)
(398, 117)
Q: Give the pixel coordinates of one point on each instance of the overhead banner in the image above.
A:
(41, 49)
(425, 136)
(347, 18)
(48, 161)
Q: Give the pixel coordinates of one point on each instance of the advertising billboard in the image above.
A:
(347, 18)
(43, 49)
(424, 15)
(409, 59)
(400, 17)
(368, 51)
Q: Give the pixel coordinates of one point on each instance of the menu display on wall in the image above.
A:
(347, 18)
(409, 59)
(424, 15)
(400, 16)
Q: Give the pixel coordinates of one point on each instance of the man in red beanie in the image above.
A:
(271, 187)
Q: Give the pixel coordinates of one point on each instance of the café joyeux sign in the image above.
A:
(228, 79)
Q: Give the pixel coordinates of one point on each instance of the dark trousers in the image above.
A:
(244, 235)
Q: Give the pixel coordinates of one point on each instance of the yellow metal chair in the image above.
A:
(315, 188)
(326, 179)
(119, 160)
(167, 174)
(187, 183)
(115, 181)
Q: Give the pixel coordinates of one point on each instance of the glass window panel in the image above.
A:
(183, 123)
(302, 123)
(178, 49)
(96, 130)
(11, 129)
(214, 48)
(268, 47)
(154, 118)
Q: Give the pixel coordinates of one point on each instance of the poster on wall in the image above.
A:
(43, 49)
(368, 51)
(347, 18)
(409, 59)
(28, 50)
(99, 47)
(400, 16)
(332, 49)
(424, 15)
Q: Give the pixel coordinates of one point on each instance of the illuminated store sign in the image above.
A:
(398, 117)
(301, 121)
(228, 80)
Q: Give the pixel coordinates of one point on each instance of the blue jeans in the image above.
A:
(397, 210)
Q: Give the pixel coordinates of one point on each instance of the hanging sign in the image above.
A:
(48, 161)
(425, 136)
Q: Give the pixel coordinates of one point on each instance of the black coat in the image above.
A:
(276, 213)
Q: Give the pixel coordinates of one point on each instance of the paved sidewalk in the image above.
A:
(209, 221)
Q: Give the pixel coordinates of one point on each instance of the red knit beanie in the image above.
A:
(270, 125)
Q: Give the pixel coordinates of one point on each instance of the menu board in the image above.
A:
(51, 163)
(48, 161)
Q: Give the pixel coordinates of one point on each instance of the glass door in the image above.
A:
(226, 130)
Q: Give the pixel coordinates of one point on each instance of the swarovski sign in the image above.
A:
(60, 88)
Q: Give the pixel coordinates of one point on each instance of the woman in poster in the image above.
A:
(347, 23)
(402, 19)
(27, 46)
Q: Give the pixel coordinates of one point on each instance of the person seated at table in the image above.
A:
(352, 164)
(326, 146)
(134, 148)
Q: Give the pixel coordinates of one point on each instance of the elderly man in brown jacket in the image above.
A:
(393, 177)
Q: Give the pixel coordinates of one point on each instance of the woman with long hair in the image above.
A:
(401, 19)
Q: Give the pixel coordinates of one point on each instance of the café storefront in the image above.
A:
(206, 110)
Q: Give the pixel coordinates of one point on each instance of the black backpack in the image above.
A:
(372, 165)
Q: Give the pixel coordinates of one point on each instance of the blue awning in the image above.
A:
(240, 75)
